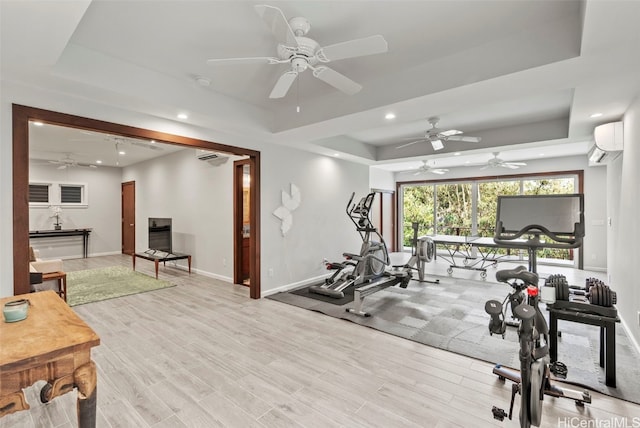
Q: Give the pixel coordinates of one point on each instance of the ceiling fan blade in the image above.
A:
(517, 163)
(248, 60)
(283, 84)
(509, 165)
(465, 139)
(353, 48)
(277, 23)
(64, 166)
(411, 143)
(437, 144)
(449, 133)
(337, 80)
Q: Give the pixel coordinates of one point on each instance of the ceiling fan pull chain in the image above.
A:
(298, 95)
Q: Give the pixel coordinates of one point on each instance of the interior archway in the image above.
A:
(21, 115)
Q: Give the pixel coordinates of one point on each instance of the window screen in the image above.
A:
(39, 193)
(70, 194)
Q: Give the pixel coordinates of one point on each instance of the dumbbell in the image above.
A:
(601, 295)
(561, 285)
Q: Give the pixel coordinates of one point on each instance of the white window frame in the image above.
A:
(55, 195)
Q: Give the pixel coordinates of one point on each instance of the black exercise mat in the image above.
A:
(451, 316)
(305, 292)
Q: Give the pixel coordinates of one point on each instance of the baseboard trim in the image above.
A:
(292, 285)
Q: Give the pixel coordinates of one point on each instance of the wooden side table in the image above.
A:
(62, 282)
(51, 344)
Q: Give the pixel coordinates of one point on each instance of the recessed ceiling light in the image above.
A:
(122, 152)
(541, 154)
(594, 115)
(389, 116)
(182, 116)
(153, 141)
(337, 155)
(203, 81)
(98, 161)
(38, 123)
(456, 154)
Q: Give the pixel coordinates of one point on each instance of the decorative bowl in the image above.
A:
(15, 310)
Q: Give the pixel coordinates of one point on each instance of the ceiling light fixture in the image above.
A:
(456, 154)
(37, 123)
(336, 155)
(182, 116)
(122, 152)
(390, 116)
(594, 115)
(98, 161)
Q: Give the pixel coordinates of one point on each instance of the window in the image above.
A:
(39, 194)
(71, 194)
(59, 194)
(469, 207)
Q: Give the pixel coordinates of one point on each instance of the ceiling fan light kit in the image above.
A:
(302, 52)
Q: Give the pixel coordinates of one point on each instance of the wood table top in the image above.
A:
(51, 329)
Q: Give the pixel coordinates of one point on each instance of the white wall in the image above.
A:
(381, 179)
(198, 197)
(595, 191)
(623, 202)
(102, 214)
(320, 229)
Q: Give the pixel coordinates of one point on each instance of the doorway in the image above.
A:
(128, 217)
(22, 115)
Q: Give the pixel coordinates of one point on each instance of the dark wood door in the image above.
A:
(128, 217)
(241, 222)
(382, 216)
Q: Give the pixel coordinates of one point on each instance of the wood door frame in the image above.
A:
(393, 215)
(21, 115)
(238, 209)
(128, 183)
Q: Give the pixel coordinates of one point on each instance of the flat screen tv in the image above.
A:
(160, 234)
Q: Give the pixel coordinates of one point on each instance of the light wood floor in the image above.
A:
(202, 354)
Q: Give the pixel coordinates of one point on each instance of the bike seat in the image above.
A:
(520, 273)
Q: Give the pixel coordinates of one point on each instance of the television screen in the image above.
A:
(160, 234)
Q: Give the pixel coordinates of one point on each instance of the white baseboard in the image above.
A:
(632, 339)
(287, 287)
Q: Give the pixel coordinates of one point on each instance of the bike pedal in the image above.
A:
(498, 413)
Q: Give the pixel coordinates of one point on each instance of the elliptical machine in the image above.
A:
(358, 269)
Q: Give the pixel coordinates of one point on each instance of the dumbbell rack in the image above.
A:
(577, 308)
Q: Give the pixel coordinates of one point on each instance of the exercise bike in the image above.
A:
(534, 379)
(363, 268)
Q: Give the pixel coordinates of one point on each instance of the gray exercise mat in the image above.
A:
(450, 315)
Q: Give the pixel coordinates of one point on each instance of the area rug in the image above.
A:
(451, 316)
(93, 285)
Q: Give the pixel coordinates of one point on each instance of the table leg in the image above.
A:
(189, 262)
(610, 361)
(86, 382)
(157, 262)
(63, 288)
(133, 258)
(553, 337)
(603, 336)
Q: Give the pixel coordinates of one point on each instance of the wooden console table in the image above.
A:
(51, 344)
(33, 234)
(161, 257)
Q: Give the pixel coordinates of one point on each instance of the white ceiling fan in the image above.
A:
(69, 162)
(118, 140)
(437, 136)
(496, 162)
(302, 52)
(424, 168)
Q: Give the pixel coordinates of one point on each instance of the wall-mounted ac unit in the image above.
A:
(206, 155)
(608, 143)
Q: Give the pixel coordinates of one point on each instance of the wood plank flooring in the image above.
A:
(203, 354)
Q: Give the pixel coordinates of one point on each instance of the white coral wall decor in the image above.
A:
(284, 212)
